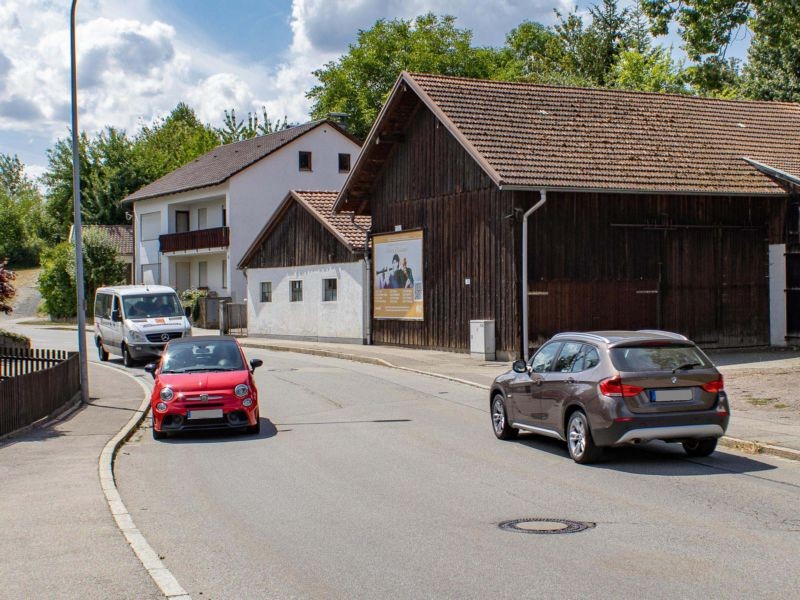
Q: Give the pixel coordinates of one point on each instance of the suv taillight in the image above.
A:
(714, 387)
(613, 386)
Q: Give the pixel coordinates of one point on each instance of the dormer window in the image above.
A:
(344, 163)
(304, 160)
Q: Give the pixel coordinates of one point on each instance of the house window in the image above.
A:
(344, 163)
(202, 274)
(266, 291)
(329, 290)
(202, 218)
(150, 224)
(181, 221)
(304, 160)
(224, 274)
(224, 217)
(297, 291)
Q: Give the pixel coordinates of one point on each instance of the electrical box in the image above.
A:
(481, 339)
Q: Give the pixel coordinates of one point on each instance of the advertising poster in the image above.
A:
(397, 276)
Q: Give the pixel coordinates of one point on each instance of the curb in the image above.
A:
(746, 446)
(149, 558)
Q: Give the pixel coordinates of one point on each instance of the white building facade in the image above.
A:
(193, 225)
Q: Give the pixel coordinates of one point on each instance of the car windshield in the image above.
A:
(658, 358)
(192, 357)
(152, 305)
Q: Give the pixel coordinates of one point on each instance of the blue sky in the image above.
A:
(139, 58)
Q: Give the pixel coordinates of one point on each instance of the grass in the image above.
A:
(781, 405)
(762, 401)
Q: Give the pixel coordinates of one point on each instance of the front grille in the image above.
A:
(156, 337)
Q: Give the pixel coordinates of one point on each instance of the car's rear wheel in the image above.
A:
(502, 429)
(698, 448)
(127, 359)
(101, 351)
(580, 442)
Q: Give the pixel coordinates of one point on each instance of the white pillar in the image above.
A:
(777, 294)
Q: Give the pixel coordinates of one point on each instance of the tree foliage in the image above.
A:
(7, 291)
(235, 131)
(359, 81)
(57, 281)
(21, 213)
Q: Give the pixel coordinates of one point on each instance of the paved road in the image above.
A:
(368, 482)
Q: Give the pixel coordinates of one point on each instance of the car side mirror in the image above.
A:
(115, 316)
(255, 363)
(520, 366)
(151, 368)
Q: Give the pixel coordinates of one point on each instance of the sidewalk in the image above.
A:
(747, 377)
(59, 539)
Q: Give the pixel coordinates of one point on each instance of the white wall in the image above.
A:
(312, 318)
(777, 294)
(257, 191)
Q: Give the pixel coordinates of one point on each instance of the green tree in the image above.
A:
(358, 82)
(649, 71)
(20, 213)
(56, 284)
(101, 263)
(235, 131)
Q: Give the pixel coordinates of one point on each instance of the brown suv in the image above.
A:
(611, 388)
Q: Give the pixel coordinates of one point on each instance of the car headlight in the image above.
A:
(167, 394)
(135, 336)
(241, 390)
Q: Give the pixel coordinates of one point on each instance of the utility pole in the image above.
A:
(76, 200)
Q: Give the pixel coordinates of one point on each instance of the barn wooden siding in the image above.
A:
(299, 239)
(793, 271)
(430, 182)
(693, 264)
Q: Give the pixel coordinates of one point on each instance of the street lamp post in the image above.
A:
(76, 201)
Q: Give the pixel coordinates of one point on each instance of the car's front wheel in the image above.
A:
(254, 429)
(580, 442)
(127, 359)
(502, 429)
(698, 448)
(102, 354)
(158, 435)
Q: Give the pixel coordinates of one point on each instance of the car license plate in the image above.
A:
(205, 414)
(678, 395)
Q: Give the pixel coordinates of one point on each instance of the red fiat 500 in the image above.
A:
(203, 383)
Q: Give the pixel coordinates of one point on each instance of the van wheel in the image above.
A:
(580, 442)
(698, 448)
(127, 359)
(101, 351)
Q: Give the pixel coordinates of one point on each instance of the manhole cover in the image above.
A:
(545, 526)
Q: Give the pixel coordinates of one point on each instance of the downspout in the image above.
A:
(525, 302)
(368, 282)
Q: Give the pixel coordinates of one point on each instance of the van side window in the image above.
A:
(102, 306)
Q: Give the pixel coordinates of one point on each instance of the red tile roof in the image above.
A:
(221, 163)
(538, 136)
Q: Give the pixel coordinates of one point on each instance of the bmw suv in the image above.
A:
(612, 388)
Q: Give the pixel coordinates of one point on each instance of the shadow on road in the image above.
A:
(216, 436)
(657, 459)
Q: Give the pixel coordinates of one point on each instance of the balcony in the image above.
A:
(199, 239)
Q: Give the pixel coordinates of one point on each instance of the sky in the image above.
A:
(138, 58)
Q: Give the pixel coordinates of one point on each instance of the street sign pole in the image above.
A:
(76, 201)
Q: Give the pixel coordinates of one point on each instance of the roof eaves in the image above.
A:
(780, 177)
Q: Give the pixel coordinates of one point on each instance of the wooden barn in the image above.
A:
(584, 209)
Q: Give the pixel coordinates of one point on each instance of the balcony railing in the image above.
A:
(216, 237)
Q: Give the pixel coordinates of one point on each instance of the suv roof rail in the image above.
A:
(670, 334)
(584, 334)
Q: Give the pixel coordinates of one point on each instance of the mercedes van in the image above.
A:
(137, 321)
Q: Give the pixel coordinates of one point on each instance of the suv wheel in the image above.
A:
(502, 430)
(581, 445)
(697, 448)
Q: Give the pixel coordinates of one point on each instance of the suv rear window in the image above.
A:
(657, 358)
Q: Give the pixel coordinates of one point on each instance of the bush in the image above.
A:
(101, 267)
(191, 297)
(7, 291)
(13, 340)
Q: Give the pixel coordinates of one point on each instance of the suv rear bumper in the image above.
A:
(685, 426)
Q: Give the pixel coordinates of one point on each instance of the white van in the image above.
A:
(137, 321)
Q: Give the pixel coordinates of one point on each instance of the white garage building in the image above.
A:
(306, 274)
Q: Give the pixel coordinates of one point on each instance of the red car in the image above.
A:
(203, 383)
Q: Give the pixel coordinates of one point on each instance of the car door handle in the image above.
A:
(570, 380)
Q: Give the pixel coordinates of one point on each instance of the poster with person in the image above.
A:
(397, 275)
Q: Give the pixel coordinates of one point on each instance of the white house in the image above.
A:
(306, 274)
(193, 225)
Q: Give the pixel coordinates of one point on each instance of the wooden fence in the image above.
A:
(34, 383)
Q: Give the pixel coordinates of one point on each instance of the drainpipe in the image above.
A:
(525, 301)
(368, 282)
